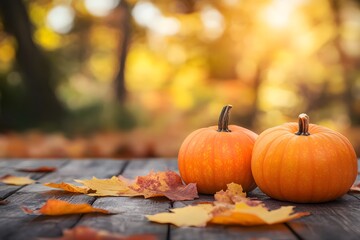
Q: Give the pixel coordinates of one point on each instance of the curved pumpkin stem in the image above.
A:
(223, 124)
(303, 125)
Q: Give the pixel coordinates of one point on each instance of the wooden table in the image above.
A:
(339, 219)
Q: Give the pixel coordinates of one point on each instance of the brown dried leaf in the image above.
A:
(234, 193)
(87, 233)
(56, 207)
(15, 180)
(168, 184)
(38, 169)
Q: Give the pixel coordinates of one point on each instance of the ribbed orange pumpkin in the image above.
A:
(215, 156)
(303, 162)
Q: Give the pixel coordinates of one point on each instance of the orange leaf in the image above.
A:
(38, 169)
(68, 187)
(14, 180)
(233, 194)
(243, 214)
(83, 232)
(189, 216)
(59, 207)
(168, 184)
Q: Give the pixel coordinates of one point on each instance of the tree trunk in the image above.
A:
(33, 65)
(120, 88)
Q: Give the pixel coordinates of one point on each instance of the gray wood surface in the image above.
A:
(334, 220)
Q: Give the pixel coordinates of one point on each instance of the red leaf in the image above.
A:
(38, 169)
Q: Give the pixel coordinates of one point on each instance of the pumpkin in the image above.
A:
(303, 163)
(215, 156)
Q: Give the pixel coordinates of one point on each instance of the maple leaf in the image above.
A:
(243, 214)
(38, 169)
(108, 187)
(56, 207)
(168, 184)
(189, 216)
(83, 232)
(233, 194)
(231, 207)
(69, 187)
(355, 187)
(155, 184)
(15, 180)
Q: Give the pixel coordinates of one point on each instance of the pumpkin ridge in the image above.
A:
(267, 163)
(185, 153)
(282, 159)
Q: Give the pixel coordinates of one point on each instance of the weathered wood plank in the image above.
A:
(338, 219)
(132, 219)
(10, 166)
(22, 226)
(278, 231)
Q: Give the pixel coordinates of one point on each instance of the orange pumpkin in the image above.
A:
(215, 156)
(303, 162)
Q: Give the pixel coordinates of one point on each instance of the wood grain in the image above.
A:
(131, 219)
(22, 226)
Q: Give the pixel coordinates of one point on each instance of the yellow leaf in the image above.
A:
(243, 214)
(60, 207)
(68, 187)
(195, 216)
(108, 187)
(14, 180)
(234, 193)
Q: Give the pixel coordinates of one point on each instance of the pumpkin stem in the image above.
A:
(303, 125)
(223, 124)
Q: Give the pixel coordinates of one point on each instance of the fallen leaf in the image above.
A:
(69, 187)
(234, 193)
(155, 184)
(83, 232)
(189, 216)
(230, 207)
(108, 187)
(243, 214)
(38, 169)
(168, 184)
(59, 207)
(15, 180)
(355, 188)
(3, 202)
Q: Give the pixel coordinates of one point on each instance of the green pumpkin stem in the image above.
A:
(223, 124)
(303, 125)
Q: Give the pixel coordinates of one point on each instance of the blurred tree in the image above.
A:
(34, 67)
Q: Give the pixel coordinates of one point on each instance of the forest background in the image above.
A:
(117, 78)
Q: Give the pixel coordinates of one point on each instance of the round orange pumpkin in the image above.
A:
(304, 163)
(215, 156)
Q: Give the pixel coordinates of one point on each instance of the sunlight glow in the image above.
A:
(213, 22)
(61, 18)
(278, 14)
(148, 15)
(101, 8)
